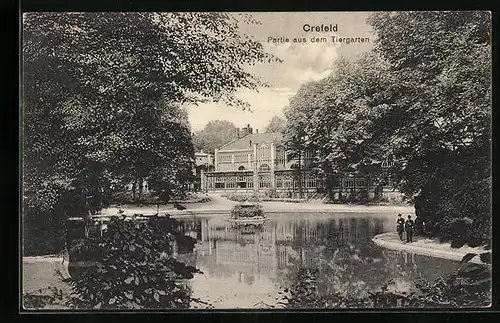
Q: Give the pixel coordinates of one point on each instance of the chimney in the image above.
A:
(238, 133)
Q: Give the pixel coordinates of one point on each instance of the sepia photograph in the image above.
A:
(205, 161)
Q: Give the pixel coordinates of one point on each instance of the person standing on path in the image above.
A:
(400, 226)
(409, 228)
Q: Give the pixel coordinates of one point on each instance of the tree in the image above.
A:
(215, 134)
(422, 99)
(135, 268)
(276, 124)
(101, 93)
(441, 108)
(330, 117)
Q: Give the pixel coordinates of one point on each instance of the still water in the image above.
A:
(247, 267)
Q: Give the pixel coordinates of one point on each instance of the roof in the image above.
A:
(255, 138)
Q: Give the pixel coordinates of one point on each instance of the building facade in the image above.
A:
(256, 164)
(204, 163)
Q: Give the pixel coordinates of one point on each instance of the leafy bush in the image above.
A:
(237, 198)
(44, 218)
(40, 298)
(243, 198)
(239, 211)
(271, 193)
(469, 286)
(135, 268)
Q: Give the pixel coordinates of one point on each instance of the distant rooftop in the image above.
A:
(254, 138)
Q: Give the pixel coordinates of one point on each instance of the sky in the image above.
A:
(302, 62)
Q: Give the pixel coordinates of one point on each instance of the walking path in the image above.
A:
(44, 276)
(427, 247)
(221, 205)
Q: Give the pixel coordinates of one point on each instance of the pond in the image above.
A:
(247, 267)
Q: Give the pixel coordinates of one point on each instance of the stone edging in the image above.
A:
(60, 263)
(456, 255)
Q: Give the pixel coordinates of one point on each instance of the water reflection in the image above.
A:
(246, 267)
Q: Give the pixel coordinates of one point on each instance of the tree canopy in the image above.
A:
(276, 124)
(102, 96)
(423, 99)
(215, 134)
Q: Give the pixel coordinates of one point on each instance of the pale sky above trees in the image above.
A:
(301, 63)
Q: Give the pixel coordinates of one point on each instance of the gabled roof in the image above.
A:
(247, 141)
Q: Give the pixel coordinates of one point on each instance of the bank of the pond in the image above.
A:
(219, 205)
(427, 247)
(44, 276)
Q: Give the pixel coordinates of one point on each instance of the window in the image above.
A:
(241, 168)
(219, 185)
(264, 181)
(264, 184)
(225, 158)
(360, 182)
(311, 182)
(387, 163)
(264, 168)
(279, 183)
(349, 183)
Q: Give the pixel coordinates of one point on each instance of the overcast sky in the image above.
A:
(301, 63)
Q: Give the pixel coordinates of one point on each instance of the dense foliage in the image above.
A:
(242, 211)
(422, 100)
(135, 267)
(215, 134)
(101, 102)
(468, 286)
(276, 124)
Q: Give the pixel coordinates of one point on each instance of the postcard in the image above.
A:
(256, 161)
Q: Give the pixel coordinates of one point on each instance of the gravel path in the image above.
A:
(221, 205)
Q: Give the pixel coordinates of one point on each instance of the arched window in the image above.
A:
(241, 168)
(264, 168)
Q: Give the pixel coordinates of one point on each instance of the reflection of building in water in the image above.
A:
(248, 254)
(276, 246)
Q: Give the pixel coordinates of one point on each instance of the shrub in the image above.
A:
(254, 198)
(237, 198)
(135, 268)
(469, 286)
(240, 211)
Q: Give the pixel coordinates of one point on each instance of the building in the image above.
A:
(204, 163)
(257, 164)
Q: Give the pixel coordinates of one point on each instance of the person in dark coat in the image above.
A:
(400, 226)
(409, 228)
